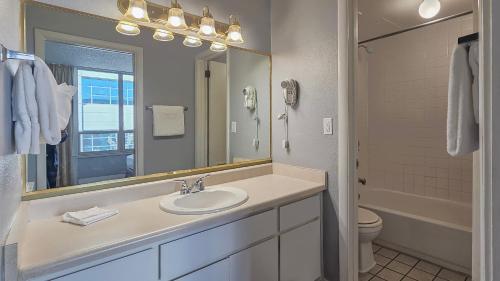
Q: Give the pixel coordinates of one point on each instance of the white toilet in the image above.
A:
(369, 226)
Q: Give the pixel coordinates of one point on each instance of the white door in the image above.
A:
(217, 113)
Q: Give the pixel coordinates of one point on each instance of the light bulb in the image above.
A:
(176, 19)
(128, 28)
(234, 31)
(138, 11)
(207, 24)
(218, 47)
(163, 35)
(429, 8)
(191, 41)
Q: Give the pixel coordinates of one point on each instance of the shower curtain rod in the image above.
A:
(416, 27)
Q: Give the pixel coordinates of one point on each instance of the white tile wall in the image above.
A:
(402, 111)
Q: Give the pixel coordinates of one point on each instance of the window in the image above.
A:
(105, 111)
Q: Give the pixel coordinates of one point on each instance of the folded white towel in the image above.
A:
(474, 66)
(89, 216)
(46, 91)
(64, 97)
(25, 112)
(462, 131)
(168, 120)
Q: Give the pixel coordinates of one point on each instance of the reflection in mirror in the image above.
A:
(143, 106)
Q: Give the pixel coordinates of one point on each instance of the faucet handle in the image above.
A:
(184, 186)
(199, 185)
(200, 179)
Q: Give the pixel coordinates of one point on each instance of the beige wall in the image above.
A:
(402, 123)
(304, 48)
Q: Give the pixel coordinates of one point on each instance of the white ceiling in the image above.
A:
(380, 17)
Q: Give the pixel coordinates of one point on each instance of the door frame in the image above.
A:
(42, 35)
(201, 103)
(486, 250)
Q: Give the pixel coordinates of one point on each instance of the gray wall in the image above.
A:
(249, 69)
(168, 79)
(304, 47)
(10, 180)
(254, 15)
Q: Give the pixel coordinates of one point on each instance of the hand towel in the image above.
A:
(25, 112)
(46, 91)
(168, 120)
(89, 216)
(474, 66)
(64, 97)
(462, 131)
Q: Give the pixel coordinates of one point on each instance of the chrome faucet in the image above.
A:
(197, 186)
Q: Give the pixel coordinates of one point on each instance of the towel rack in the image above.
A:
(6, 54)
(150, 107)
(468, 38)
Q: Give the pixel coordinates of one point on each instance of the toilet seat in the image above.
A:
(368, 219)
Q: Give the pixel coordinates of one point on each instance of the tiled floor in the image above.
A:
(396, 266)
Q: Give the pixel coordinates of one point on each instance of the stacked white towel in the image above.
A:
(89, 216)
(41, 109)
(462, 131)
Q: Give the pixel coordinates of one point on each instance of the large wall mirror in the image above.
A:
(144, 109)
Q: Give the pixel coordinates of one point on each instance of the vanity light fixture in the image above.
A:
(163, 35)
(138, 10)
(128, 28)
(176, 20)
(429, 8)
(192, 41)
(207, 24)
(218, 47)
(234, 31)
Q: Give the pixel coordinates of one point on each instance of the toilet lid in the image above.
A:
(366, 216)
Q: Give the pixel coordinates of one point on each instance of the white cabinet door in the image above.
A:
(140, 266)
(300, 253)
(216, 272)
(259, 262)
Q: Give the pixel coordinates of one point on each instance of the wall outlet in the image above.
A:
(233, 127)
(328, 126)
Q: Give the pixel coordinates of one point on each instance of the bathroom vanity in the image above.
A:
(274, 235)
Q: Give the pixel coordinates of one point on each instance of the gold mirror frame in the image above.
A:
(26, 196)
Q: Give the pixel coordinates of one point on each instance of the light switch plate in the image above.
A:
(328, 126)
(233, 127)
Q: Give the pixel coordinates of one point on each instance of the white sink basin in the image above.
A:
(211, 200)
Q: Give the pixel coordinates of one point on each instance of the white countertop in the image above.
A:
(49, 245)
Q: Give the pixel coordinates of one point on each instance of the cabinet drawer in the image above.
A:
(299, 212)
(187, 254)
(216, 272)
(139, 266)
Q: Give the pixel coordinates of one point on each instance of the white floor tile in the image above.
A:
(409, 260)
(399, 267)
(428, 267)
(390, 275)
(420, 275)
(451, 275)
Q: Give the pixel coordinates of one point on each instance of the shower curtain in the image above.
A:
(62, 151)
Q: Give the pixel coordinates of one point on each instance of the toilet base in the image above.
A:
(366, 258)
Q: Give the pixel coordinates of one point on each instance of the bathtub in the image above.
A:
(437, 230)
